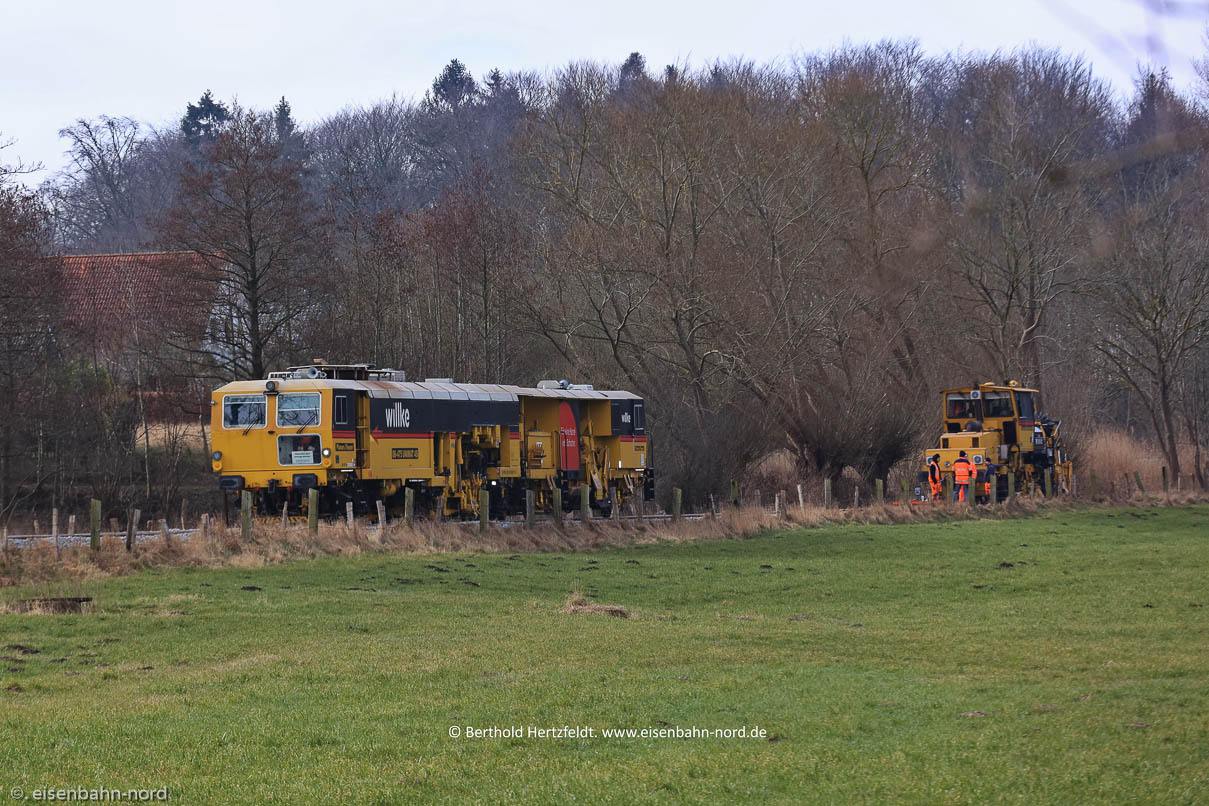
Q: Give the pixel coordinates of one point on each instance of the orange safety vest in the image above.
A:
(935, 479)
(961, 471)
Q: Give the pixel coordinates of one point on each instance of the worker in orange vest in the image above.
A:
(962, 470)
(934, 477)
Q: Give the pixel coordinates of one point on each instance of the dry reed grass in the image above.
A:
(47, 606)
(1116, 455)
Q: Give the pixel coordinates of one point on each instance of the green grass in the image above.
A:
(857, 648)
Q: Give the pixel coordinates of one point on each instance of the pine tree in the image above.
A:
(632, 73)
(203, 119)
(283, 120)
(453, 88)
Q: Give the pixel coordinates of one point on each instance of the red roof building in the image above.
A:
(131, 312)
(114, 294)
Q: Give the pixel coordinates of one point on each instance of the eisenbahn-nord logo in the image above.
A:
(398, 417)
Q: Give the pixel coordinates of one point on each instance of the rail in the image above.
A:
(85, 537)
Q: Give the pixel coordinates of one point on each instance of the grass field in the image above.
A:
(1062, 659)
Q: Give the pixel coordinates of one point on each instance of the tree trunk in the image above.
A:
(1170, 437)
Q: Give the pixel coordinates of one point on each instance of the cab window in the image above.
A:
(298, 409)
(298, 449)
(1024, 405)
(959, 406)
(243, 411)
(997, 404)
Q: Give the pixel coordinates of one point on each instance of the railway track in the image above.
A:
(83, 539)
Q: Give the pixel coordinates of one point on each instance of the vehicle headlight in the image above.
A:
(327, 452)
(216, 456)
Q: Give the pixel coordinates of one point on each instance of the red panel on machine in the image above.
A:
(568, 438)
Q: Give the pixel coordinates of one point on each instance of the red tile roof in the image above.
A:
(107, 294)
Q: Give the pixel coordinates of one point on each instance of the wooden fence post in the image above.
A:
(132, 526)
(801, 500)
(776, 506)
(826, 493)
(1011, 486)
(94, 525)
(409, 506)
(948, 488)
(906, 490)
(113, 526)
(557, 506)
(484, 509)
(1092, 479)
(312, 511)
(54, 527)
(676, 500)
(245, 516)
(879, 491)
(615, 502)
(1049, 483)
(713, 507)
(71, 525)
(585, 502)
(348, 516)
(4, 545)
(205, 527)
(530, 509)
(856, 497)
(993, 498)
(734, 493)
(381, 505)
(1165, 481)
(285, 508)
(1138, 478)
(165, 533)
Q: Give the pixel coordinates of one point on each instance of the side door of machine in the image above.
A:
(345, 434)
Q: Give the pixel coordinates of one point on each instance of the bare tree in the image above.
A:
(29, 298)
(94, 197)
(243, 208)
(1020, 223)
(1156, 306)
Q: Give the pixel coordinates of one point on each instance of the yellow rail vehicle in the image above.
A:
(1002, 430)
(359, 434)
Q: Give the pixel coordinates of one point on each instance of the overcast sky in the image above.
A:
(68, 59)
